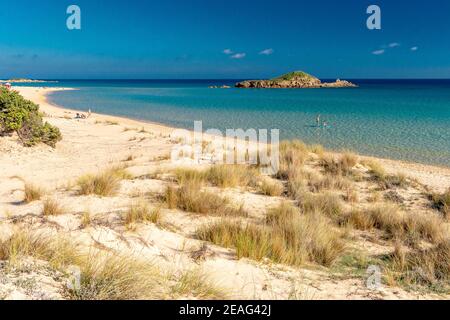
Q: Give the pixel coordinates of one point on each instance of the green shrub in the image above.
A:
(22, 117)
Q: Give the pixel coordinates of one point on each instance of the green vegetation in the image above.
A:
(295, 75)
(22, 117)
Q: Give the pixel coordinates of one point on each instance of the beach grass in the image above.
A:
(189, 197)
(141, 212)
(286, 237)
(105, 183)
(32, 192)
(51, 207)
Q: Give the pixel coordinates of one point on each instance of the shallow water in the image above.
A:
(399, 119)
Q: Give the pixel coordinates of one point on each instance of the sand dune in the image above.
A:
(102, 141)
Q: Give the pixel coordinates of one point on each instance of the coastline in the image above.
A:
(436, 177)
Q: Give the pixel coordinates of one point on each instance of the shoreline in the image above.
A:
(418, 170)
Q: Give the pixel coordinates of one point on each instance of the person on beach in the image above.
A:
(318, 120)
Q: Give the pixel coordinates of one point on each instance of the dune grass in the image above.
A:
(223, 176)
(441, 202)
(293, 154)
(339, 166)
(287, 237)
(384, 180)
(194, 283)
(32, 192)
(141, 212)
(103, 275)
(229, 176)
(51, 207)
(427, 268)
(57, 250)
(86, 219)
(189, 197)
(271, 188)
(397, 224)
(105, 183)
(327, 203)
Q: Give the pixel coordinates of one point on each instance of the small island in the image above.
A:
(296, 79)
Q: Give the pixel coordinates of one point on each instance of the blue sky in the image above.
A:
(188, 39)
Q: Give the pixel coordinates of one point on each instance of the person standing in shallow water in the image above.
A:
(318, 120)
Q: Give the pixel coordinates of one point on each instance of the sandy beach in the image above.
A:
(101, 141)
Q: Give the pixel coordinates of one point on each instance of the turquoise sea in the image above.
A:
(399, 119)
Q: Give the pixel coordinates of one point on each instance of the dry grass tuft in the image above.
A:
(397, 224)
(292, 154)
(106, 183)
(427, 267)
(141, 212)
(317, 149)
(190, 198)
(286, 237)
(223, 176)
(32, 193)
(386, 181)
(271, 188)
(57, 250)
(111, 277)
(195, 283)
(441, 202)
(229, 176)
(52, 207)
(185, 175)
(328, 181)
(328, 203)
(86, 219)
(341, 166)
(103, 276)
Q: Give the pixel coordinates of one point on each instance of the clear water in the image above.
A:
(399, 119)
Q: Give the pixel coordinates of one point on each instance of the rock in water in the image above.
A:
(296, 79)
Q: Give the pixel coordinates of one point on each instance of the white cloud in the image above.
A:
(238, 56)
(394, 44)
(378, 52)
(414, 48)
(228, 51)
(267, 52)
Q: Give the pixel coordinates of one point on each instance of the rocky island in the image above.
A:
(296, 79)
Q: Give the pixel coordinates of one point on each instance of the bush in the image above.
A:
(22, 117)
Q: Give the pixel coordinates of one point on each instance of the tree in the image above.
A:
(22, 117)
